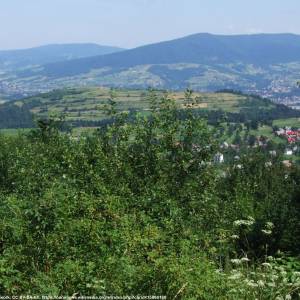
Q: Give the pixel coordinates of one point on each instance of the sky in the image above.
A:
(131, 23)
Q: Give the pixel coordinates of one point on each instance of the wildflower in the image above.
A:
(267, 265)
(269, 225)
(260, 283)
(234, 276)
(234, 237)
(238, 222)
(266, 232)
(245, 259)
(251, 283)
(236, 261)
(248, 222)
(274, 277)
(268, 228)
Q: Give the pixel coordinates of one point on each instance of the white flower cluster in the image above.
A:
(270, 280)
(248, 222)
(237, 261)
(268, 228)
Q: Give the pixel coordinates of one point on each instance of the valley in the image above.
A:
(266, 65)
(242, 120)
(150, 150)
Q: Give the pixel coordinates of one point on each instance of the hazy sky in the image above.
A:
(130, 23)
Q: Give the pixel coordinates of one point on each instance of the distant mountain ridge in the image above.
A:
(52, 53)
(260, 49)
(264, 64)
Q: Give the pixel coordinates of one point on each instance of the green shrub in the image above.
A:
(139, 208)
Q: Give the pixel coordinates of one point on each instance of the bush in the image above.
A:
(136, 208)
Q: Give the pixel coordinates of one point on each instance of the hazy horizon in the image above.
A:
(133, 23)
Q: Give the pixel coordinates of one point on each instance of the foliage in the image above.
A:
(139, 207)
(276, 278)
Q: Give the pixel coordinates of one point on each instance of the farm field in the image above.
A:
(85, 108)
(88, 104)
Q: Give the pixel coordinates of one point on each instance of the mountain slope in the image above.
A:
(10, 59)
(262, 49)
(264, 64)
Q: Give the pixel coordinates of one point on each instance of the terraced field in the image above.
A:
(88, 104)
(84, 109)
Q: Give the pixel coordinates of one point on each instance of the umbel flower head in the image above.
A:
(248, 222)
(268, 228)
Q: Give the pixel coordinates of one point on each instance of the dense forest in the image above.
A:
(13, 116)
(140, 208)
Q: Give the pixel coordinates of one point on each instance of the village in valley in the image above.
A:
(281, 142)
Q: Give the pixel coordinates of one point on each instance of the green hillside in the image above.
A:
(83, 109)
(89, 103)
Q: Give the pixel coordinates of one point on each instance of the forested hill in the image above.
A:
(208, 49)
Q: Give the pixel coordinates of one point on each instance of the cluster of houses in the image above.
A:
(289, 151)
(292, 136)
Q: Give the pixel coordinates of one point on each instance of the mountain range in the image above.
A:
(24, 58)
(265, 64)
(261, 50)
